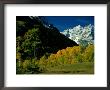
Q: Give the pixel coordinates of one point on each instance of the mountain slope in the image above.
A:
(34, 39)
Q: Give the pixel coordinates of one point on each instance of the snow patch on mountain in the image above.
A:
(81, 34)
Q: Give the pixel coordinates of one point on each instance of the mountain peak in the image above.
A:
(80, 34)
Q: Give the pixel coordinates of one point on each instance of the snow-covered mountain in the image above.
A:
(81, 35)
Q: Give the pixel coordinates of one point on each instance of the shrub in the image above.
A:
(27, 67)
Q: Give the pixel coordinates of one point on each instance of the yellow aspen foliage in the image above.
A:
(89, 53)
(63, 51)
(76, 49)
(52, 57)
(59, 53)
(70, 55)
(43, 60)
(18, 55)
(26, 63)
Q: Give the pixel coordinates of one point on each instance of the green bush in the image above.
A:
(27, 67)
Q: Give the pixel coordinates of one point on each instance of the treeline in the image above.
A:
(68, 56)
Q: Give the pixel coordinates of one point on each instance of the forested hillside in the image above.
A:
(34, 39)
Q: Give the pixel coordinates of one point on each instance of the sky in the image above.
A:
(66, 22)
